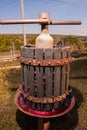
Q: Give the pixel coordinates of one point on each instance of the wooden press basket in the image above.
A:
(45, 74)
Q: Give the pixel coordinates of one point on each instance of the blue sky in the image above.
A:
(59, 10)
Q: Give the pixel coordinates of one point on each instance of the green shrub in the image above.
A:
(72, 40)
(5, 43)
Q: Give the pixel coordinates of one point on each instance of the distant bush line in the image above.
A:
(8, 41)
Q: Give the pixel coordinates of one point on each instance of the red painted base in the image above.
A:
(45, 114)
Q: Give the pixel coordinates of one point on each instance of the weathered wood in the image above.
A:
(48, 54)
(22, 65)
(57, 55)
(57, 86)
(22, 73)
(43, 124)
(31, 73)
(63, 71)
(39, 78)
(67, 69)
(24, 69)
(46, 124)
(26, 77)
(39, 71)
(48, 73)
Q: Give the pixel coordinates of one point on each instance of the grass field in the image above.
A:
(12, 119)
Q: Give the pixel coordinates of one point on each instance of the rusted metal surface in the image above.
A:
(54, 62)
(56, 113)
(44, 99)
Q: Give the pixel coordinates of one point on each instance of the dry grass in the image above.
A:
(7, 64)
(13, 119)
(9, 79)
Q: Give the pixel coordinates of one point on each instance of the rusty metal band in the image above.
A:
(45, 99)
(52, 62)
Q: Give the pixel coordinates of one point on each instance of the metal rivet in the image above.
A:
(22, 61)
(65, 61)
(58, 62)
(38, 62)
(44, 77)
(49, 63)
(35, 85)
(35, 81)
(35, 89)
(34, 72)
(29, 61)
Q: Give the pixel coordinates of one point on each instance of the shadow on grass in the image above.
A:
(67, 122)
(26, 122)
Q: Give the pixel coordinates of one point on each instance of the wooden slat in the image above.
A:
(63, 71)
(57, 55)
(26, 77)
(39, 72)
(24, 51)
(31, 77)
(22, 73)
(24, 68)
(48, 73)
(22, 65)
(39, 78)
(31, 73)
(48, 54)
(67, 68)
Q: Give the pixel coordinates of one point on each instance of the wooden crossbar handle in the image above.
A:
(25, 21)
(44, 19)
(65, 22)
(39, 21)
